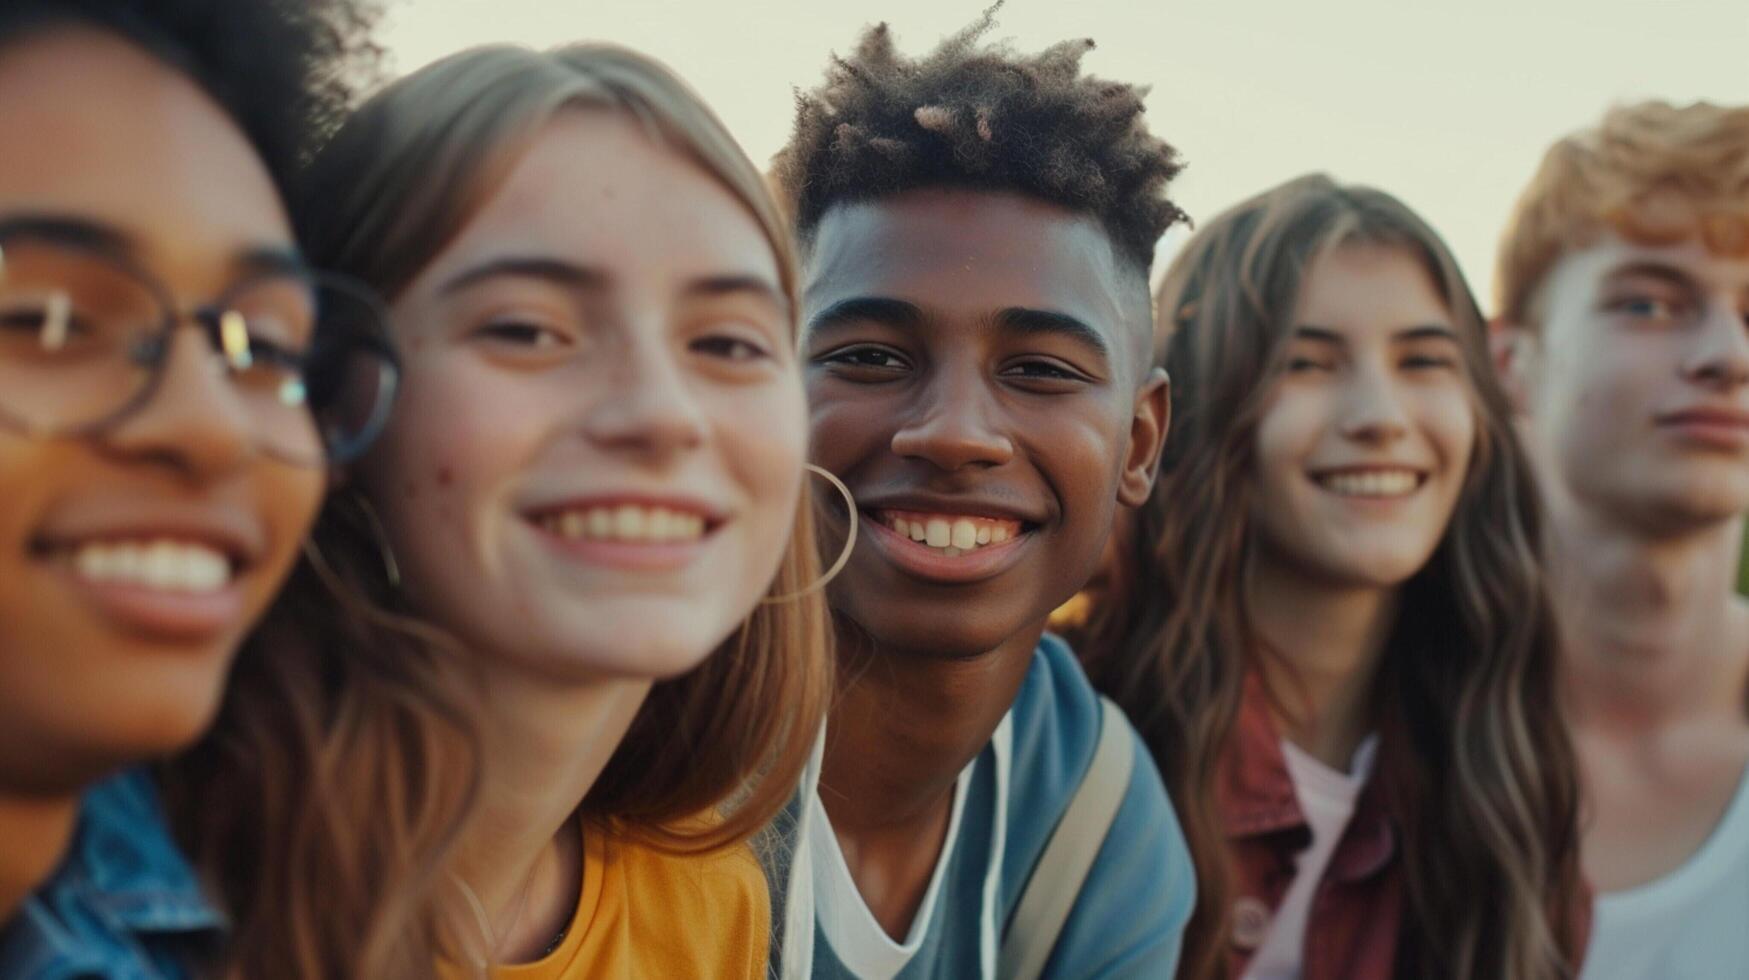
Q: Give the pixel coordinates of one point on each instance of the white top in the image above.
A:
(856, 937)
(1327, 797)
(1691, 924)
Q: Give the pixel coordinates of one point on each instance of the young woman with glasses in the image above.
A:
(174, 381)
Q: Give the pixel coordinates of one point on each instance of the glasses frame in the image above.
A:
(210, 318)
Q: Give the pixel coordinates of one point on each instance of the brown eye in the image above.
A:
(730, 348)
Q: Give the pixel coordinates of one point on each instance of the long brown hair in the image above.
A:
(1479, 761)
(397, 183)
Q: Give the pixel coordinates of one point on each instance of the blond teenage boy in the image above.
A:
(1624, 335)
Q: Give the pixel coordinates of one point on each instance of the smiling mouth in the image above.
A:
(162, 564)
(950, 535)
(625, 524)
(1380, 483)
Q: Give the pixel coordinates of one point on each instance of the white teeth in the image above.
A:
(571, 525)
(626, 522)
(965, 535)
(1372, 483)
(629, 523)
(599, 523)
(940, 533)
(953, 536)
(168, 566)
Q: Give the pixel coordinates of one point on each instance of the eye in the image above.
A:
(1647, 307)
(1302, 365)
(1429, 362)
(1038, 369)
(523, 335)
(866, 356)
(730, 348)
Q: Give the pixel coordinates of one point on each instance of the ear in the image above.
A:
(1148, 426)
(1513, 351)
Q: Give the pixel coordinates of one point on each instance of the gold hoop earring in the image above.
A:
(843, 556)
(373, 526)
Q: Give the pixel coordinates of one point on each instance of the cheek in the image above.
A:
(1287, 433)
(1449, 419)
(460, 432)
(764, 438)
(842, 432)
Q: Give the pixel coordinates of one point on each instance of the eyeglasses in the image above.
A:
(85, 335)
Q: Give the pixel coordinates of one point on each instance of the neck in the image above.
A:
(905, 725)
(1654, 631)
(545, 742)
(37, 831)
(1323, 644)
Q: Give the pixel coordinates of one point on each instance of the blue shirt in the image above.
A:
(124, 903)
(1129, 918)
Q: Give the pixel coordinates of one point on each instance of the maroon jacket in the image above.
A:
(1351, 931)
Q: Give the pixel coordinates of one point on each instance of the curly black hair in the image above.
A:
(981, 117)
(283, 70)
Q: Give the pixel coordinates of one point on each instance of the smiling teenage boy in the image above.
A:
(1624, 288)
(977, 228)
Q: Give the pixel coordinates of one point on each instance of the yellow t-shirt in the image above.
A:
(646, 915)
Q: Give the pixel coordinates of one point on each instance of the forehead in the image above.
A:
(1581, 271)
(97, 128)
(960, 253)
(1369, 287)
(595, 190)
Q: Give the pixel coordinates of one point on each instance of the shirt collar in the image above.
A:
(126, 865)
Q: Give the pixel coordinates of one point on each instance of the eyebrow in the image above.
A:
(866, 309)
(1424, 331)
(1653, 270)
(72, 231)
(733, 285)
(527, 267)
(1026, 321)
(77, 232)
(272, 259)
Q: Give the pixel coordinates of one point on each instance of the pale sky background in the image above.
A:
(1447, 105)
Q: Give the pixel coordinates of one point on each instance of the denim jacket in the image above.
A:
(124, 903)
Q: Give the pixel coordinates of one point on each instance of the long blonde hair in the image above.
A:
(1477, 761)
(398, 182)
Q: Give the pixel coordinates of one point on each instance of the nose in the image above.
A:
(1372, 412)
(1720, 357)
(194, 422)
(649, 409)
(952, 426)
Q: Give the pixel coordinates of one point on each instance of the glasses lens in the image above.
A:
(351, 373)
(77, 335)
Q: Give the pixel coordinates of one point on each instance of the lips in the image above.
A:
(1722, 427)
(951, 534)
(1381, 481)
(633, 534)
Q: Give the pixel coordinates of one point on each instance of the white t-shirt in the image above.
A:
(1691, 924)
(856, 936)
(1327, 799)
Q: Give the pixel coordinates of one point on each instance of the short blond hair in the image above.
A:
(1652, 172)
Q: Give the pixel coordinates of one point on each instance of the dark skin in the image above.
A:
(970, 354)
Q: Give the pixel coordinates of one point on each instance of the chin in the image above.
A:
(936, 641)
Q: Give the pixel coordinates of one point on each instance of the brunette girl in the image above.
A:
(1332, 628)
(171, 391)
(594, 483)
